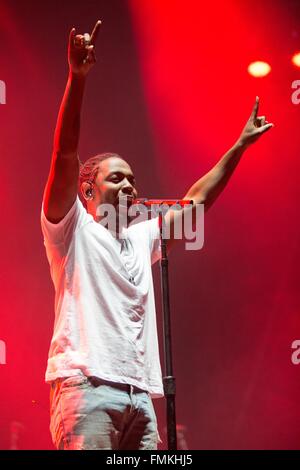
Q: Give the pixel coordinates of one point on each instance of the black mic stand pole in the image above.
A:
(168, 379)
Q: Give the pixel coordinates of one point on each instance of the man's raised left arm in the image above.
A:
(207, 189)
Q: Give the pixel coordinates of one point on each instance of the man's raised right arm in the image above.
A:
(62, 185)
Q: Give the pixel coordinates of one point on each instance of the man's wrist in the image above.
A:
(241, 144)
(77, 77)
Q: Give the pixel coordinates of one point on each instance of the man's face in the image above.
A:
(115, 183)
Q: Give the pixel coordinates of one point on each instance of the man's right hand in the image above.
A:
(81, 51)
(62, 185)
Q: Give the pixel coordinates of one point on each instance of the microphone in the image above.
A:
(167, 202)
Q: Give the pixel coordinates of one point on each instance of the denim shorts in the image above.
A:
(93, 414)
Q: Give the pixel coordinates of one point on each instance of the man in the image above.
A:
(103, 363)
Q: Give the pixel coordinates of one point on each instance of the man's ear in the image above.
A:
(87, 190)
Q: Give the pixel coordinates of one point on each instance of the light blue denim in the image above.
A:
(101, 417)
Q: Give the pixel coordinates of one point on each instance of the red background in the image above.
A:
(171, 93)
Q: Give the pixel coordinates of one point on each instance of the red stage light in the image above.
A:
(296, 59)
(259, 69)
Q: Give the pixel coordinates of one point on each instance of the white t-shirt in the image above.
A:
(105, 320)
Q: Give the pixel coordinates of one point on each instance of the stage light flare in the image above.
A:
(296, 59)
(259, 69)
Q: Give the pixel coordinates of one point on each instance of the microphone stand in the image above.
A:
(169, 379)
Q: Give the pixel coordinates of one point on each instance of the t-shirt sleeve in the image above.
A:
(62, 232)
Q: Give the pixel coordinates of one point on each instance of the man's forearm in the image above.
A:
(66, 137)
(207, 189)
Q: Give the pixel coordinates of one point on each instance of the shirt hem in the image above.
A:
(155, 392)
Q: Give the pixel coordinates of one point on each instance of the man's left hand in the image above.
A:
(255, 127)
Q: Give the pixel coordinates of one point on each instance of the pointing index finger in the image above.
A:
(72, 37)
(95, 32)
(255, 108)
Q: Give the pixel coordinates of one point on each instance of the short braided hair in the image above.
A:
(89, 169)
